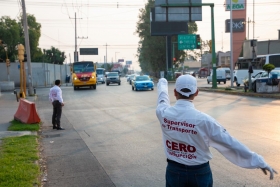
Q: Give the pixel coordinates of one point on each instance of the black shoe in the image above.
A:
(59, 128)
(54, 127)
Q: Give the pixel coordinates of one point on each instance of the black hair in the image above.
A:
(185, 90)
(57, 82)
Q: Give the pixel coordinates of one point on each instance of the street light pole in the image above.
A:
(231, 48)
(8, 64)
(115, 56)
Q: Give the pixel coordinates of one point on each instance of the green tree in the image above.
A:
(10, 34)
(34, 30)
(107, 66)
(268, 68)
(151, 51)
(53, 56)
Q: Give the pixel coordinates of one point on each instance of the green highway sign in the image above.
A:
(187, 41)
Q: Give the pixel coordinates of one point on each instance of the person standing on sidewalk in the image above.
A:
(188, 134)
(55, 97)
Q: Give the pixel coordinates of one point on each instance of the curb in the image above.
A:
(5, 134)
(242, 93)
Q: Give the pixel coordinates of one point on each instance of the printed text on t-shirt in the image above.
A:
(179, 126)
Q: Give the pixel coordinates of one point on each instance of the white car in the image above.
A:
(263, 75)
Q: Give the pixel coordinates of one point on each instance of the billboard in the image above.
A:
(176, 14)
(235, 4)
(88, 51)
(238, 25)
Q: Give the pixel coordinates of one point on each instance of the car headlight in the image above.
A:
(92, 77)
(75, 78)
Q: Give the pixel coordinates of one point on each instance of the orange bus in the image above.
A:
(84, 75)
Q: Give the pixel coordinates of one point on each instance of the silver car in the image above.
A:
(113, 77)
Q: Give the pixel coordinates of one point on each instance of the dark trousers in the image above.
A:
(57, 110)
(178, 175)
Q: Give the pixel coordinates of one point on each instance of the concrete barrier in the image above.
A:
(7, 86)
(27, 112)
(263, 87)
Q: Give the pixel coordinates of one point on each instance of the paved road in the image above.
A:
(112, 137)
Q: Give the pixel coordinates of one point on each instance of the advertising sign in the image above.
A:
(88, 51)
(128, 62)
(236, 5)
(238, 25)
(121, 60)
(175, 14)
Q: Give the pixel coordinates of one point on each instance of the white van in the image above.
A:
(227, 73)
(220, 76)
(100, 72)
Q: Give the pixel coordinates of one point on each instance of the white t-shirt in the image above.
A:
(55, 94)
(188, 134)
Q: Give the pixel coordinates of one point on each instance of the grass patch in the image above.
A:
(18, 126)
(18, 156)
(228, 88)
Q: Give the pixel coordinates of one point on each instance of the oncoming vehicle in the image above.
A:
(242, 66)
(100, 75)
(143, 82)
(129, 77)
(113, 77)
(84, 75)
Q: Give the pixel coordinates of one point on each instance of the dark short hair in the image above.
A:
(186, 90)
(57, 82)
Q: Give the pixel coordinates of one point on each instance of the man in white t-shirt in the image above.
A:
(55, 96)
(188, 134)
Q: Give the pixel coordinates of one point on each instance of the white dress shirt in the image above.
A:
(55, 94)
(188, 134)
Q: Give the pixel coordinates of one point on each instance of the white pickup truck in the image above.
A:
(242, 74)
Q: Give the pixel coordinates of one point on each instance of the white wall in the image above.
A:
(43, 74)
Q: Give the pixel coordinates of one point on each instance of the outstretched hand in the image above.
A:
(271, 170)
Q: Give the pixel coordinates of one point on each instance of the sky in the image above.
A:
(113, 23)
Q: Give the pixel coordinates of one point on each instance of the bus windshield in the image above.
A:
(83, 67)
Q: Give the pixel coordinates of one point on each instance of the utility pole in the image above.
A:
(249, 21)
(231, 47)
(106, 54)
(115, 56)
(254, 43)
(76, 52)
(27, 46)
(253, 19)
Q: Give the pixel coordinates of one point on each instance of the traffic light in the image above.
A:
(25, 58)
(198, 42)
(20, 52)
(7, 62)
(174, 60)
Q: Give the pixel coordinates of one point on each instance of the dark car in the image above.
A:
(131, 79)
(143, 82)
(113, 77)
